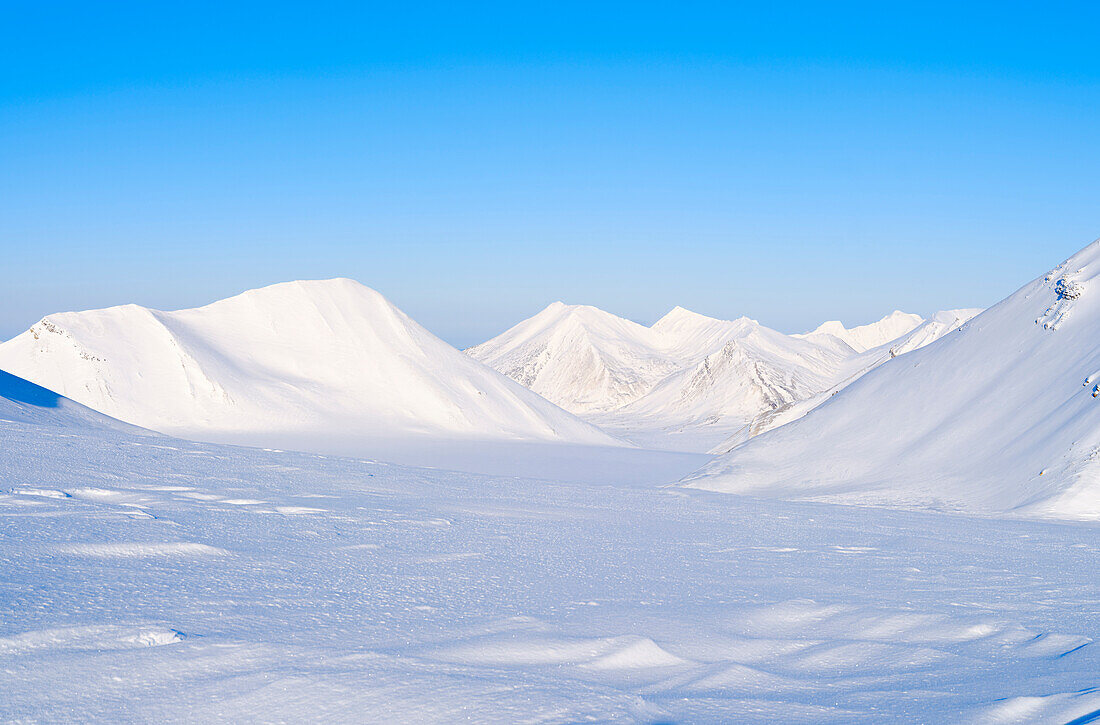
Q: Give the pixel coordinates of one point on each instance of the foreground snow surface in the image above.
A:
(149, 579)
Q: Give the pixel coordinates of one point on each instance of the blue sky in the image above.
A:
(474, 163)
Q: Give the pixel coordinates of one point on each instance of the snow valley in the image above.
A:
(151, 579)
(324, 366)
(297, 504)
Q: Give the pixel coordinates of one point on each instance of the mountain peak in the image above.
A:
(312, 287)
(561, 309)
(680, 315)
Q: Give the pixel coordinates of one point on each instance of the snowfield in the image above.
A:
(149, 579)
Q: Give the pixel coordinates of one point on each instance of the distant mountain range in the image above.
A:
(690, 381)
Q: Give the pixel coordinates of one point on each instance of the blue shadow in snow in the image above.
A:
(24, 391)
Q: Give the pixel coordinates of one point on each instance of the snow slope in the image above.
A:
(1000, 416)
(21, 401)
(930, 330)
(149, 579)
(933, 329)
(298, 364)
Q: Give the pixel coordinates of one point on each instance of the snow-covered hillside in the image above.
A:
(932, 329)
(299, 364)
(1002, 415)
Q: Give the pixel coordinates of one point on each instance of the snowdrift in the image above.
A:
(297, 364)
(1001, 416)
(21, 401)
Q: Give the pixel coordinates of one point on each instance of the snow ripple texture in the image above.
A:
(149, 579)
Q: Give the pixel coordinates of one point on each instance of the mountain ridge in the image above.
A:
(689, 379)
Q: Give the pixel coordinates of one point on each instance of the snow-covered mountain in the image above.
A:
(1003, 415)
(755, 369)
(590, 361)
(580, 357)
(689, 337)
(647, 383)
(299, 361)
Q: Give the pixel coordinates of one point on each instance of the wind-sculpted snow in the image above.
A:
(321, 365)
(999, 416)
(149, 579)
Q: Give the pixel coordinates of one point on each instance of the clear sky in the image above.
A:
(791, 162)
